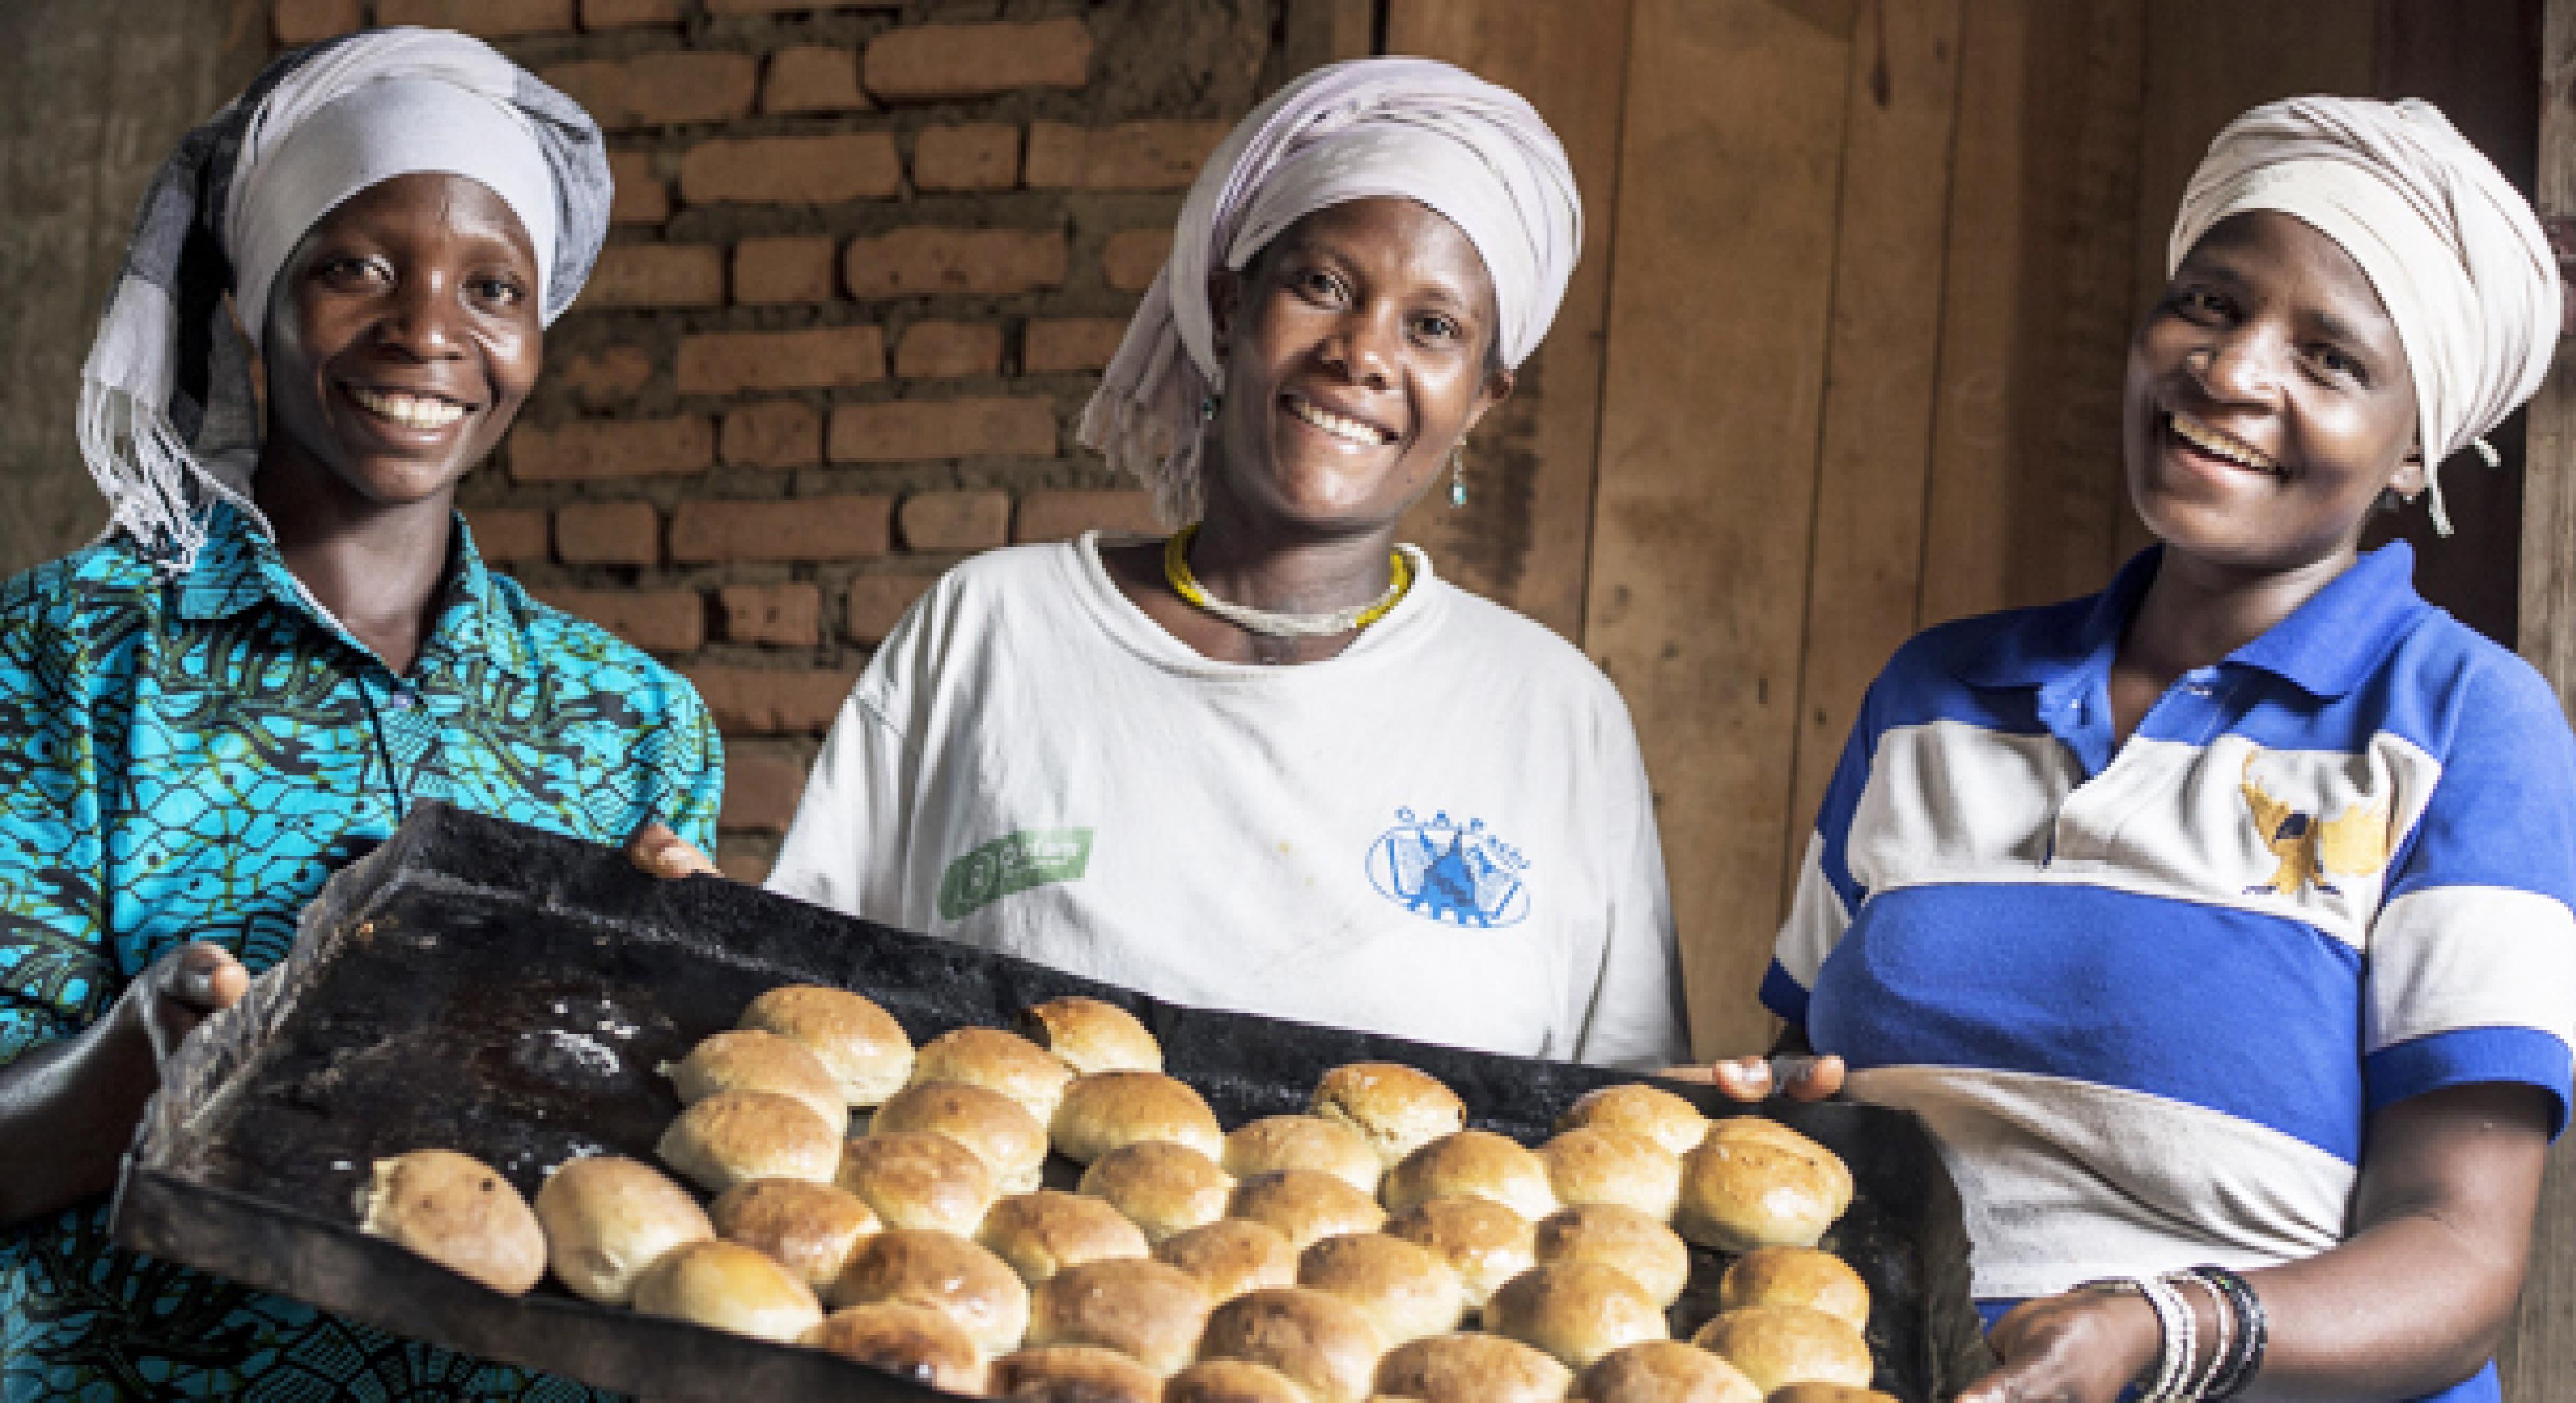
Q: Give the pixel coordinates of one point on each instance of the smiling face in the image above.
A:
(402, 338)
(1358, 348)
(2269, 401)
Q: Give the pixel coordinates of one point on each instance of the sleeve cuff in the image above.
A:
(2470, 1057)
(1784, 995)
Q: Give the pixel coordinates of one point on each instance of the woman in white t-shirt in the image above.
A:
(1275, 763)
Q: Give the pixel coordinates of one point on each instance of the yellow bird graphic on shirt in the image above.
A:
(2354, 843)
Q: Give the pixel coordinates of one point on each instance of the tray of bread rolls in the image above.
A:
(694, 1140)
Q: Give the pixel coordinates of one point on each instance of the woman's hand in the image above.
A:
(2082, 1347)
(180, 990)
(663, 853)
(1797, 1075)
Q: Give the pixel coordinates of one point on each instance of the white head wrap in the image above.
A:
(2454, 250)
(1412, 128)
(167, 420)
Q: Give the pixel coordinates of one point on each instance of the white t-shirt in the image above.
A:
(1444, 833)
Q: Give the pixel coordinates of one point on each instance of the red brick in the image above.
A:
(643, 197)
(779, 434)
(508, 533)
(1055, 345)
(656, 275)
(661, 89)
(770, 701)
(588, 450)
(955, 520)
(761, 788)
(656, 620)
(608, 533)
(297, 22)
(489, 19)
(796, 268)
(795, 528)
(791, 614)
(729, 362)
(813, 78)
(1060, 515)
(989, 262)
(877, 603)
(608, 376)
(935, 62)
(948, 350)
(745, 860)
(792, 170)
(622, 14)
(1133, 256)
(1154, 155)
(978, 156)
(910, 430)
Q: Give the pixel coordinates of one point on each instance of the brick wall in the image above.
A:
(867, 261)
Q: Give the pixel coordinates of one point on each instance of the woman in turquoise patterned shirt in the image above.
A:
(285, 640)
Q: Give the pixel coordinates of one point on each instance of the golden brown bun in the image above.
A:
(1395, 1108)
(1043, 1233)
(1604, 1164)
(1471, 1163)
(1161, 1186)
(860, 1044)
(748, 1059)
(1143, 1309)
(1796, 1276)
(457, 1212)
(810, 1229)
(1102, 1112)
(1000, 1132)
(1746, 1190)
(1073, 1374)
(1651, 1254)
(996, 1061)
(1827, 1393)
(914, 1179)
(727, 1286)
(1305, 1206)
(1577, 1311)
(607, 1219)
(1664, 1371)
(1480, 1240)
(976, 1290)
(1092, 1036)
(1304, 1142)
(1233, 1381)
(1639, 1109)
(1318, 1339)
(734, 1137)
(1231, 1256)
(906, 1340)
(1471, 1369)
(1407, 1292)
(1780, 1345)
(1765, 1131)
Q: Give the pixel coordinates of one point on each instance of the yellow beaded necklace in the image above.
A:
(1176, 570)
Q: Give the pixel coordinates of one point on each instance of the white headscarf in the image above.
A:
(1417, 129)
(2454, 250)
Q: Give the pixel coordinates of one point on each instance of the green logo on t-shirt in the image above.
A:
(1013, 863)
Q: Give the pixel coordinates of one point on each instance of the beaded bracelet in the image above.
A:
(2253, 1332)
(2178, 1353)
(2204, 1380)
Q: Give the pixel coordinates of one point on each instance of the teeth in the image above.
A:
(2209, 440)
(1335, 424)
(411, 411)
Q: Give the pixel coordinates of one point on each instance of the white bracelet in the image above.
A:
(2176, 1351)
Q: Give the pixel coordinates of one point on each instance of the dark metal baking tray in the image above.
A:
(484, 987)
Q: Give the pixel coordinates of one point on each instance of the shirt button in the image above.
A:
(403, 699)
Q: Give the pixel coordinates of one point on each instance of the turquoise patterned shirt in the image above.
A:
(191, 759)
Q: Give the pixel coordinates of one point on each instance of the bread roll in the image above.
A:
(1649, 1253)
(976, 1290)
(1827, 1393)
(996, 1061)
(1303, 1142)
(1763, 1130)
(1405, 1291)
(1141, 1308)
(1483, 1243)
(1102, 1112)
(1315, 1338)
(1002, 1134)
(1577, 1311)
(1471, 1164)
(748, 1059)
(1073, 1374)
(810, 1229)
(1090, 1036)
(1603, 1164)
(1661, 1116)
(606, 1219)
(1233, 1381)
(1664, 1371)
(906, 1340)
(1777, 1346)
(734, 1137)
(727, 1286)
(1471, 1369)
(1231, 1256)
(1396, 1109)
(1043, 1233)
(457, 1212)
(914, 1179)
(860, 1044)
(1161, 1186)
(1305, 1206)
(1796, 1276)
(1742, 1191)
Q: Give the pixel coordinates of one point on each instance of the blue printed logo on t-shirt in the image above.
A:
(1444, 870)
